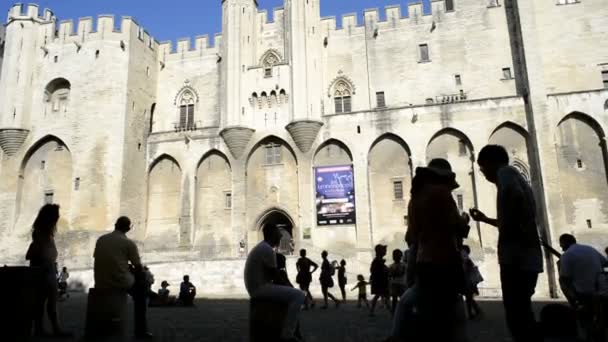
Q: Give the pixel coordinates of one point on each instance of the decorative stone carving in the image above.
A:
(304, 133)
(11, 139)
(237, 138)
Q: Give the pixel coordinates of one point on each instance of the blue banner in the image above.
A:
(335, 195)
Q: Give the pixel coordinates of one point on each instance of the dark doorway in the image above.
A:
(285, 225)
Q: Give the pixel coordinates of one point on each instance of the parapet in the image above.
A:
(29, 12)
(277, 12)
(183, 48)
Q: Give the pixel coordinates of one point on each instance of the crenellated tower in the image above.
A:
(304, 56)
(237, 52)
(23, 43)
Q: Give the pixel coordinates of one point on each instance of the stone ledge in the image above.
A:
(237, 138)
(304, 133)
(11, 139)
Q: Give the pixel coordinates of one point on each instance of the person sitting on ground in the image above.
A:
(362, 287)
(580, 268)
(162, 298)
(379, 279)
(397, 278)
(63, 282)
(283, 278)
(118, 266)
(342, 280)
(261, 270)
(187, 292)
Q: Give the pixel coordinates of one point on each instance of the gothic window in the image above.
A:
(273, 154)
(57, 95)
(186, 104)
(269, 60)
(398, 190)
(342, 97)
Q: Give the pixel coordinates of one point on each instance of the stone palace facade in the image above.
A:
(314, 124)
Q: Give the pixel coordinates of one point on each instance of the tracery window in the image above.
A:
(269, 60)
(342, 97)
(186, 111)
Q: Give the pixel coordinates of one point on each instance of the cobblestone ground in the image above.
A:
(227, 320)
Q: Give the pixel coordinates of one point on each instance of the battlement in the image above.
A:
(392, 15)
(277, 12)
(202, 46)
(29, 12)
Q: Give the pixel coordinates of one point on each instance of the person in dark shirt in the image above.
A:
(379, 278)
(187, 292)
(342, 279)
(304, 277)
(326, 279)
(283, 277)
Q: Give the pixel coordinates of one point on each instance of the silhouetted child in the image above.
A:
(362, 286)
(187, 292)
(397, 274)
(342, 278)
(472, 279)
(63, 283)
(379, 278)
(283, 278)
(162, 298)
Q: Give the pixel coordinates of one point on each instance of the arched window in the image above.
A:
(57, 95)
(342, 97)
(186, 111)
(269, 60)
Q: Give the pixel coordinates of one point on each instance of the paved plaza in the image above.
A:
(227, 320)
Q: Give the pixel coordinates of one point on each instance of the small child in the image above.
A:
(397, 278)
(342, 279)
(362, 286)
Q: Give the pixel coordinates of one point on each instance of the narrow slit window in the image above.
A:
(506, 74)
(449, 5)
(228, 200)
(460, 202)
(48, 197)
(398, 190)
(605, 78)
(579, 163)
(77, 184)
(380, 99)
(458, 80)
(42, 165)
(424, 52)
(589, 224)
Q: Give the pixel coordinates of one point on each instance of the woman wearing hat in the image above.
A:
(437, 229)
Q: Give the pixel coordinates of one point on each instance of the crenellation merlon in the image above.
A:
(183, 48)
(66, 29)
(29, 12)
(349, 21)
(415, 11)
(328, 23)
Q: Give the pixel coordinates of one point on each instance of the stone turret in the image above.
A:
(20, 52)
(237, 50)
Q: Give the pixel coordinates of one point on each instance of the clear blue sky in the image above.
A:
(170, 20)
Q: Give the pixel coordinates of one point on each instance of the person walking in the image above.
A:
(342, 280)
(62, 281)
(42, 254)
(436, 229)
(519, 246)
(379, 279)
(304, 276)
(327, 281)
(362, 287)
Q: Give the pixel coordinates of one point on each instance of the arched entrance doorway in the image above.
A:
(283, 221)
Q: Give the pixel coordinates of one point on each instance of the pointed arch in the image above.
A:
(319, 160)
(463, 139)
(272, 139)
(270, 58)
(588, 119)
(341, 83)
(161, 158)
(514, 126)
(188, 93)
(394, 137)
(42, 141)
(213, 152)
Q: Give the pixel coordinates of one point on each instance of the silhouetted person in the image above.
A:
(260, 272)
(326, 280)
(362, 293)
(397, 278)
(42, 254)
(606, 252)
(62, 281)
(519, 251)
(163, 297)
(187, 292)
(118, 266)
(472, 278)
(580, 269)
(379, 278)
(283, 278)
(436, 230)
(304, 276)
(342, 280)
